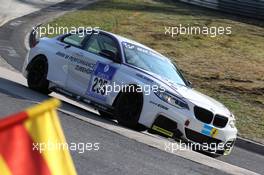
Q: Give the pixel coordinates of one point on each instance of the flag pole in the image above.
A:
(45, 106)
(29, 113)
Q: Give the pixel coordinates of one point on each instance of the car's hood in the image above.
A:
(202, 100)
(192, 95)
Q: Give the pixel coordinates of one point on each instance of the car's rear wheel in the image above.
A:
(128, 109)
(37, 75)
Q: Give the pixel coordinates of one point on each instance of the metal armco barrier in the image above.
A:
(249, 8)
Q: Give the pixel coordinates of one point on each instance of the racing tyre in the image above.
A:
(37, 75)
(128, 109)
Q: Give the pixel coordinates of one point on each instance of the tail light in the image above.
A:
(33, 41)
(33, 37)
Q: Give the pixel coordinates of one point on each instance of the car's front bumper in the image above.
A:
(175, 126)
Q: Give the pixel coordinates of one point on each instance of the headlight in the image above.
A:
(172, 100)
(232, 115)
(232, 123)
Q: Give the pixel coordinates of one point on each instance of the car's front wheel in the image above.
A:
(128, 109)
(37, 75)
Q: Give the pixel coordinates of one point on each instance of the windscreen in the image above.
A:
(153, 62)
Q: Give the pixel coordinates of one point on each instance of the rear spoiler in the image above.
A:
(34, 36)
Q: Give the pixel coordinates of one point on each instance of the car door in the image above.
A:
(64, 48)
(94, 70)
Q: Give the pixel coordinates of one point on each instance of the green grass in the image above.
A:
(229, 68)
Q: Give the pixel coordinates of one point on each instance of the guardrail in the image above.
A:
(249, 8)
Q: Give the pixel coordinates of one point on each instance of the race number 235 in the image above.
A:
(99, 85)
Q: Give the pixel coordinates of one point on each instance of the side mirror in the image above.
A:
(108, 54)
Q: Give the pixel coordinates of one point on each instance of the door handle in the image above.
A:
(79, 54)
(67, 46)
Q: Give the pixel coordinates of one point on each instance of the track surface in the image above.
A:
(118, 154)
(11, 9)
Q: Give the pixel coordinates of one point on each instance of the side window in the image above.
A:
(100, 42)
(93, 45)
(109, 44)
(75, 39)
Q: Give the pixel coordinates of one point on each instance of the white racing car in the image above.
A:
(132, 83)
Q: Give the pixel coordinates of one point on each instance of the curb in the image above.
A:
(250, 145)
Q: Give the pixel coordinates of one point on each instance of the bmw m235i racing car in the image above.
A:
(132, 83)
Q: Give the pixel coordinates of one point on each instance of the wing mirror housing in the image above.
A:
(190, 84)
(108, 54)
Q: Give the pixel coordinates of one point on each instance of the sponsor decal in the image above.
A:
(101, 79)
(209, 131)
(161, 130)
(81, 65)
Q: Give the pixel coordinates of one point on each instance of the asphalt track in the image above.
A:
(11, 9)
(118, 154)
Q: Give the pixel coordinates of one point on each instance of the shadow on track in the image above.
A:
(19, 91)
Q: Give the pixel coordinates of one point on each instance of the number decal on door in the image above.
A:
(101, 79)
(99, 85)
